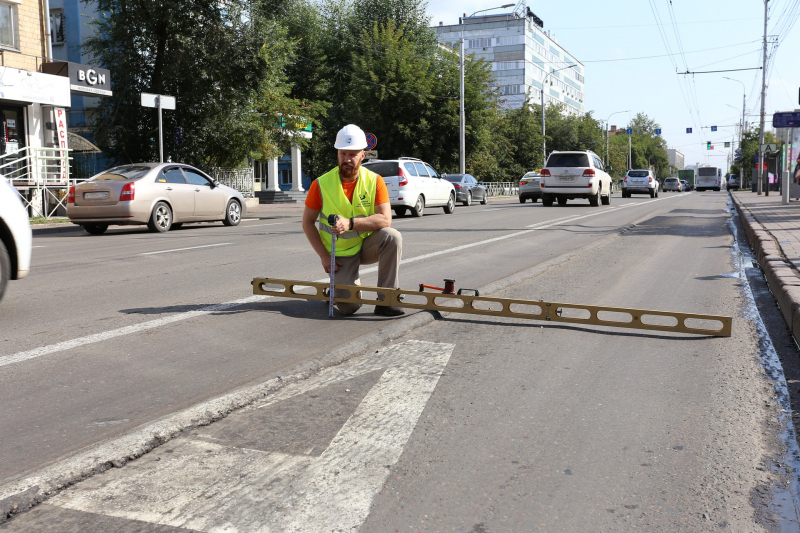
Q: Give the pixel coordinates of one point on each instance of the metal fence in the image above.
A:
(42, 178)
(240, 179)
(501, 188)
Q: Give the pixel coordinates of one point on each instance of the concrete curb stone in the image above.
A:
(782, 280)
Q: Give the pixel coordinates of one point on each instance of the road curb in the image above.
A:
(30, 489)
(68, 227)
(781, 278)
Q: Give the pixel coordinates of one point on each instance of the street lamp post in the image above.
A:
(544, 140)
(741, 131)
(461, 120)
(607, 122)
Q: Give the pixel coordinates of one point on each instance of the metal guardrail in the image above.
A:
(41, 176)
(241, 179)
(501, 188)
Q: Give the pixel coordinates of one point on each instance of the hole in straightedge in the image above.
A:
(304, 289)
(574, 312)
(455, 303)
(615, 316)
(487, 305)
(659, 320)
(414, 298)
(703, 323)
(370, 296)
(526, 309)
(272, 287)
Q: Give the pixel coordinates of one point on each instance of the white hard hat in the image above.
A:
(351, 137)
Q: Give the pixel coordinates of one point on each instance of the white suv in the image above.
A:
(413, 184)
(640, 182)
(16, 238)
(570, 175)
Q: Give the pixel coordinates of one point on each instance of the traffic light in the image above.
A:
(708, 146)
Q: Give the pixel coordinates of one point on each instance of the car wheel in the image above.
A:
(95, 229)
(562, 201)
(521, 200)
(606, 200)
(656, 193)
(400, 212)
(468, 201)
(419, 208)
(233, 214)
(652, 193)
(594, 201)
(547, 201)
(5, 269)
(451, 204)
(485, 198)
(160, 218)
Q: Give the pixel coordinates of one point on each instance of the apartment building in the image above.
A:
(676, 158)
(525, 58)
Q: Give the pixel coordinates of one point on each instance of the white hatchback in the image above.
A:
(640, 182)
(570, 175)
(413, 185)
(16, 238)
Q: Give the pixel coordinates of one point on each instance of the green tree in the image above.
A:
(217, 59)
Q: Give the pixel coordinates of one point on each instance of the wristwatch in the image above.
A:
(351, 222)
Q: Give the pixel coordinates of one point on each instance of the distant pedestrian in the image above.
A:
(797, 171)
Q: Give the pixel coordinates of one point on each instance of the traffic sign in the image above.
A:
(786, 119)
(151, 100)
(372, 141)
(688, 130)
(658, 131)
(769, 148)
(737, 152)
(629, 131)
(727, 145)
(713, 128)
(371, 154)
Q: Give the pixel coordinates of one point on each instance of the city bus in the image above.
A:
(709, 178)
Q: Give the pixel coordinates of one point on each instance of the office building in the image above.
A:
(523, 57)
(676, 159)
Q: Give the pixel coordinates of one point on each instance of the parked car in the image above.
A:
(16, 238)
(530, 187)
(570, 175)
(413, 184)
(733, 182)
(640, 182)
(467, 188)
(162, 195)
(673, 184)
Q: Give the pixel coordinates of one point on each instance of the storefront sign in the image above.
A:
(61, 134)
(33, 87)
(84, 80)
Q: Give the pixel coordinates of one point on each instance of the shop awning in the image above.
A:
(80, 144)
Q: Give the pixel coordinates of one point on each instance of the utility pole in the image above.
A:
(461, 125)
(630, 157)
(763, 106)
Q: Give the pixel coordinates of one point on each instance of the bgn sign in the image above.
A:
(83, 79)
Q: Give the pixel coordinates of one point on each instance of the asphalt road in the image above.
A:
(467, 424)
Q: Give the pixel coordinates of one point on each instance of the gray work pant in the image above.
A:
(384, 247)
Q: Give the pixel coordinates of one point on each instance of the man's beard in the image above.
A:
(348, 171)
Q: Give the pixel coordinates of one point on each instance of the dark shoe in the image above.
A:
(386, 310)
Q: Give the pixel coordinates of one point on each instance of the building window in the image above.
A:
(8, 26)
(57, 35)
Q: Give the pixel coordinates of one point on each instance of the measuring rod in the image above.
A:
(595, 315)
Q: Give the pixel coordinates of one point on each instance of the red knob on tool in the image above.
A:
(449, 286)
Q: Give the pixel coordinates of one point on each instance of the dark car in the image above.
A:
(468, 189)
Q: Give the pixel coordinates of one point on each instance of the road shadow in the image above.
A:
(682, 226)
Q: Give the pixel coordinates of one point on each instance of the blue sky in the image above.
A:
(624, 29)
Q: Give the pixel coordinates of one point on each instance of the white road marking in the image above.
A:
(237, 489)
(190, 248)
(142, 326)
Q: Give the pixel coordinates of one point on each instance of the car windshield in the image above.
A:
(672, 180)
(455, 178)
(568, 160)
(128, 172)
(383, 168)
(638, 173)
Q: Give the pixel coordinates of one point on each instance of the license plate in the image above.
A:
(566, 178)
(94, 195)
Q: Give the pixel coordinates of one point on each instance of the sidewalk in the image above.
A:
(261, 211)
(773, 230)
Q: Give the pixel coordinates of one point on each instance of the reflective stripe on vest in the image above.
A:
(335, 202)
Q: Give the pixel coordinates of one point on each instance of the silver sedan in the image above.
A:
(160, 195)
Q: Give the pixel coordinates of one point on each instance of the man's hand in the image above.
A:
(326, 263)
(342, 225)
